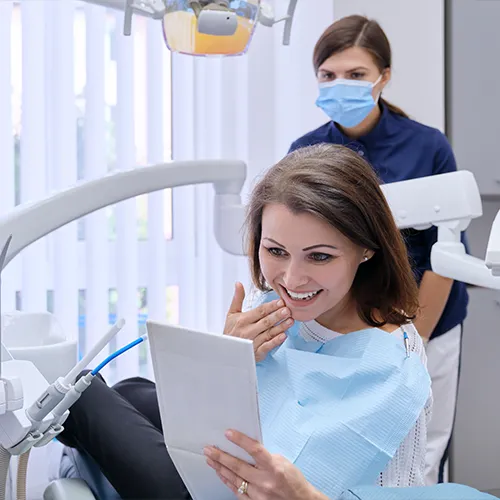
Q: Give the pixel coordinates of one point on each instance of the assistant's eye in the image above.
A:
(320, 257)
(325, 76)
(357, 76)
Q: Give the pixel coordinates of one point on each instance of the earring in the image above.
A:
(366, 258)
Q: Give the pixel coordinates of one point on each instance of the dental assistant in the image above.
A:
(352, 61)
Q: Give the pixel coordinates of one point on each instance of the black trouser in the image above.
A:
(120, 428)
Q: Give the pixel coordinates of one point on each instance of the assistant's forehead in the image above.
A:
(348, 60)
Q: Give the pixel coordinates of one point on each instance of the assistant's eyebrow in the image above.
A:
(357, 69)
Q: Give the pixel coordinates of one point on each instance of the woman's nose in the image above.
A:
(295, 277)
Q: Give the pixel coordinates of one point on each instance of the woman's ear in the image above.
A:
(367, 255)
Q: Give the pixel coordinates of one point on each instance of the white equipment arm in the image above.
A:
(449, 202)
(27, 224)
(493, 250)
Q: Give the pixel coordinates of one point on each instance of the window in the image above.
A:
(20, 30)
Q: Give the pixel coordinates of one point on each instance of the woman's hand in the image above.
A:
(272, 478)
(264, 325)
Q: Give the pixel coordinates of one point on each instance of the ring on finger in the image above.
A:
(243, 489)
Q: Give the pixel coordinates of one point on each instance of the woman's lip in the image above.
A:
(298, 302)
(301, 291)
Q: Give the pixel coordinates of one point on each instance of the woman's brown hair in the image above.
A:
(335, 184)
(356, 31)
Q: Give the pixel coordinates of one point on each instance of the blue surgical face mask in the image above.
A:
(347, 102)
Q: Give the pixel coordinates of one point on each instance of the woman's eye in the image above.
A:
(357, 76)
(276, 252)
(320, 257)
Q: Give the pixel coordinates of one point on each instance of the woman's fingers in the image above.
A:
(228, 483)
(272, 333)
(273, 319)
(267, 347)
(263, 459)
(240, 468)
(261, 312)
(252, 323)
(228, 477)
(238, 299)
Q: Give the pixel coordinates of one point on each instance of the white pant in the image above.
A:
(443, 357)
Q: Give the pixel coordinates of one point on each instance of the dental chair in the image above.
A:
(81, 479)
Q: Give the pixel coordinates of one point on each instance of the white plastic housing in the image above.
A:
(14, 425)
(217, 22)
(419, 203)
(28, 223)
(493, 249)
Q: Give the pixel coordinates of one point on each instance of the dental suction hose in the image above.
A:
(56, 392)
(4, 471)
(84, 382)
(22, 475)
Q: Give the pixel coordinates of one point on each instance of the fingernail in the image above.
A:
(211, 463)
(208, 451)
(280, 303)
(289, 321)
(282, 337)
(228, 434)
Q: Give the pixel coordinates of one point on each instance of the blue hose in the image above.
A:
(117, 353)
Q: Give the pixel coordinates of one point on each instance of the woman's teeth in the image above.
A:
(302, 296)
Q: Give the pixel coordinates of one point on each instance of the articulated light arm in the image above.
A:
(157, 9)
(27, 224)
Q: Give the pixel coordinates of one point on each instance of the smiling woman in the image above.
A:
(323, 238)
(330, 329)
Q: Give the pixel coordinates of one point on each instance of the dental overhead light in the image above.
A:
(205, 27)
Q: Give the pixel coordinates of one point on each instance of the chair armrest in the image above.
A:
(68, 489)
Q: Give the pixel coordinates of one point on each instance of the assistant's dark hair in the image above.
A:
(356, 31)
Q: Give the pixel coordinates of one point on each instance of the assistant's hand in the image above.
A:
(264, 325)
(272, 478)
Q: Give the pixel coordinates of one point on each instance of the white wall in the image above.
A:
(296, 88)
(415, 29)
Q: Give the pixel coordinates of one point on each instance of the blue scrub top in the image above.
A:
(400, 149)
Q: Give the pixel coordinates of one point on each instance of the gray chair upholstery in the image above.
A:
(68, 489)
(76, 465)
